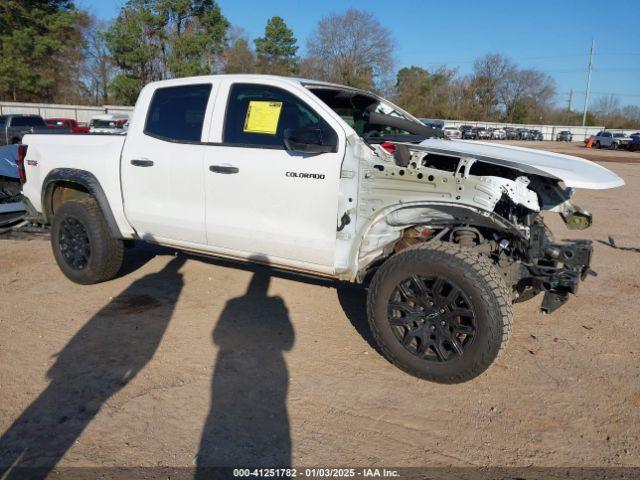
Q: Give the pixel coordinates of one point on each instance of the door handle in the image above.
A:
(223, 169)
(137, 162)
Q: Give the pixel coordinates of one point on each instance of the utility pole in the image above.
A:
(570, 100)
(586, 94)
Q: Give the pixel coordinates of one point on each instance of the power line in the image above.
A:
(544, 57)
(610, 94)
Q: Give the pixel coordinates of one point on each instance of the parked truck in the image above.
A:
(14, 127)
(331, 181)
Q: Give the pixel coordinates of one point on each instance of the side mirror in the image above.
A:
(308, 140)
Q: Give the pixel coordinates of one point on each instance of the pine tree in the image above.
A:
(277, 49)
(37, 39)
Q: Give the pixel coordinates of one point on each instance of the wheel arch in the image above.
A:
(63, 184)
(381, 233)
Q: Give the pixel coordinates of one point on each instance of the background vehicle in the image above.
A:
(67, 123)
(634, 144)
(12, 210)
(511, 133)
(293, 173)
(498, 134)
(481, 133)
(467, 132)
(523, 134)
(13, 127)
(608, 139)
(451, 132)
(478, 133)
(433, 123)
(109, 123)
(564, 136)
(536, 135)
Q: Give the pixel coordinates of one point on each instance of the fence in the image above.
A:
(549, 132)
(80, 113)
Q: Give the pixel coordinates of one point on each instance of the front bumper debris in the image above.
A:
(559, 269)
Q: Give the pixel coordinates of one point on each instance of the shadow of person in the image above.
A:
(248, 424)
(105, 354)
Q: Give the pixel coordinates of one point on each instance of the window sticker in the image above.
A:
(262, 117)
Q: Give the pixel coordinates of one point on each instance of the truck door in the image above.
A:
(162, 162)
(262, 199)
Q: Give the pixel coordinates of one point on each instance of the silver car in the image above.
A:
(606, 139)
(452, 132)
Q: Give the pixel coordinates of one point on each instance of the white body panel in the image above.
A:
(266, 209)
(97, 154)
(164, 201)
(575, 172)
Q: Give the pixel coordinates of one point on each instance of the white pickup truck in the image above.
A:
(332, 181)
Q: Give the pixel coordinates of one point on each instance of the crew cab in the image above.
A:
(331, 181)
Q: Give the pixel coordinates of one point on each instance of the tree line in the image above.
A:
(51, 51)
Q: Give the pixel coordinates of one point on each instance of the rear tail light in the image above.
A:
(22, 153)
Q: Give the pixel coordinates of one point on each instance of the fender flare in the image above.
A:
(84, 179)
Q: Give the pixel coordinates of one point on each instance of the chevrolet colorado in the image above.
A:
(332, 181)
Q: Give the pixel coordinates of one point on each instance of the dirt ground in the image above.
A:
(187, 361)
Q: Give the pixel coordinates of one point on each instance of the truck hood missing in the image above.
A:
(574, 172)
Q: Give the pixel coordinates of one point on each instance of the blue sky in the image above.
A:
(553, 36)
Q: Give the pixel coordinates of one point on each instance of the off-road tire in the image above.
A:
(476, 277)
(105, 252)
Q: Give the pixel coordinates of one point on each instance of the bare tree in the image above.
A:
(238, 57)
(99, 68)
(606, 107)
(352, 48)
(489, 73)
(520, 84)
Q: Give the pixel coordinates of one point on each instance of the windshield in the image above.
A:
(354, 108)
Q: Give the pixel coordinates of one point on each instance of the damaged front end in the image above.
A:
(556, 268)
(443, 190)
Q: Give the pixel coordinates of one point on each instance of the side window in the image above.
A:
(27, 121)
(259, 115)
(177, 113)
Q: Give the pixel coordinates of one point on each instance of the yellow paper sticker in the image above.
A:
(262, 117)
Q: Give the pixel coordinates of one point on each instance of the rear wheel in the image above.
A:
(598, 144)
(440, 312)
(82, 244)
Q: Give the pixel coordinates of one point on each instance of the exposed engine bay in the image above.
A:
(438, 192)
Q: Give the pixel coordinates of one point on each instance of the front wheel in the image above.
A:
(82, 244)
(440, 312)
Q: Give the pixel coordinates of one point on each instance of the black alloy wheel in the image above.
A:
(432, 318)
(74, 242)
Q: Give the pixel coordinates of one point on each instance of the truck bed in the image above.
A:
(97, 154)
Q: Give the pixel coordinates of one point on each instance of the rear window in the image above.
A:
(177, 113)
(27, 122)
